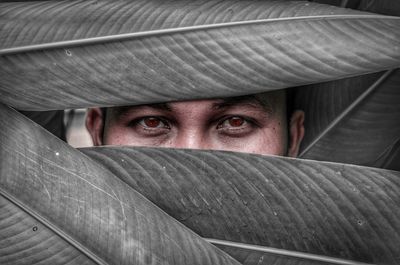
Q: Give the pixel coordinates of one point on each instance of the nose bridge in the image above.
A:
(191, 138)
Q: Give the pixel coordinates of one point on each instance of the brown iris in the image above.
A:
(152, 122)
(236, 121)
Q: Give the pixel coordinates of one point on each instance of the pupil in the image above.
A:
(152, 122)
(236, 122)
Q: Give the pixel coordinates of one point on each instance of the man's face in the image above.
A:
(252, 124)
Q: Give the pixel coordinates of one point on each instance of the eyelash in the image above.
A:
(247, 122)
(138, 121)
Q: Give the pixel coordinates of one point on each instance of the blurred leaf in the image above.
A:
(386, 7)
(328, 2)
(390, 158)
(362, 134)
(341, 3)
(181, 49)
(58, 206)
(335, 210)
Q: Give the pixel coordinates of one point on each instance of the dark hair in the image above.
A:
(104, 113)
(290, 98)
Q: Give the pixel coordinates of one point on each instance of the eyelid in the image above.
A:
(249, 120)
(227, 117)
(138, 120)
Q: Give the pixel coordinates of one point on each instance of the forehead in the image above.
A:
(270, 102)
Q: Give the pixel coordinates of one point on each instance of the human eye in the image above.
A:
(153, 122)
(235, 125)
(152, 125)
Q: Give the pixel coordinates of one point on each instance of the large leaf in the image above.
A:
(260, 255)
(58, 206)
(25, 240)
(364, 108)
(207, 61)
(336, 210)
(58, 55)
(323, 102)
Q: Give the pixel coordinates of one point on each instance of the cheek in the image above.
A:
(267, 144)
(121, 135)
(274, 141)
(272, 146)
(116, 135)
(266, 141)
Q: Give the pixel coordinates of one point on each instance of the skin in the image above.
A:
(252, 124)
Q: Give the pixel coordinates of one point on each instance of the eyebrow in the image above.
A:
(250, 100)
(119, 111)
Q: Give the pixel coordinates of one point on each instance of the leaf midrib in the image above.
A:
(153, 33)
(284, 252)
(53, 228)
